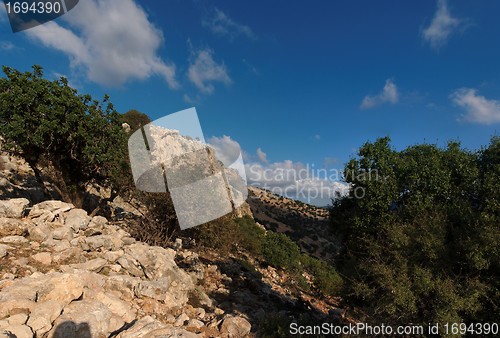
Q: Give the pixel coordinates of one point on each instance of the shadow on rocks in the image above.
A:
(71, 329)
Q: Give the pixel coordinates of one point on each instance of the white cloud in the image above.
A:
(292, 179)
(388, 95)
(227, 150)
(441, 27)
(261, 155)
(6, 45)
(112, 41)
(221, 24)
(204, 71)
(478, 108)
(188, 99)
(297, 181)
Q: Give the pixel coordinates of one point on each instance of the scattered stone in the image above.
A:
(48, 210)
(181, 319)
(195, 323)
(117, 306)
(17, 319)
(77, 219)
(13, 208)
(14, 240)
(235, 327)
(12, 227)
(19, 331)
(113, 256)
(43, 258)
(63, 233)
(200, 312)
(4, 250)
(85, 318)
(98, 222)
(104, 242)
(93, 265)
(43, 315)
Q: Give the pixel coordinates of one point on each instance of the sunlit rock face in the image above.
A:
(202, 187)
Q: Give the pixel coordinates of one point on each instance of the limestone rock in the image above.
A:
(13, 208)
(104, 242)
(12, 227)
(77, 219)
(181, 319)
(235, 327)
(4, 250)
(43, 258)
(63, 233)
(98, 222)
(92, 265)
(14, 240)
(19, 331)
(48, 210)
(84, 318)
(148, 327)
(43, 315)
(61, 287)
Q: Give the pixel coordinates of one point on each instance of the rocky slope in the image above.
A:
(306, 224)
(64, 274)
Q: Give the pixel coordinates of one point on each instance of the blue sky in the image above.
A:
(295, 83)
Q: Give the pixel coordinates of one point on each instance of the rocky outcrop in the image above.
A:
(65, 274)
(13, 208)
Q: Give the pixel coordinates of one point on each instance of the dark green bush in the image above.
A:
(135, 119)
(250, 235)
(48, 122)
(281, 252)
(325, 277)
(423, 245)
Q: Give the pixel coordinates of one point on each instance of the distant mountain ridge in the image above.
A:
(306, 224)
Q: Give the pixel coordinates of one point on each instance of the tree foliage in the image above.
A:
(48, 121)
(135, 119)
(422, 245)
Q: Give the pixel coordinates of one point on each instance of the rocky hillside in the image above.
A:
(306, 224)
(64, 274)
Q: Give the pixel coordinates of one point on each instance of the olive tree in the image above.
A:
(49, 124)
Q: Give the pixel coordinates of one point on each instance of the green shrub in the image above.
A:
(281, 252)
(48, 122)
(250, 236)
(325, 277)
(220, 234)
(423, 245)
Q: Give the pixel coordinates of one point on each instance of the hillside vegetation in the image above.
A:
(423, 244)
(420, 245)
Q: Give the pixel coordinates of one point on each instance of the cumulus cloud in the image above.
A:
(261, 155)
(221, 24)
(287, 178)
(442, 26)
(388, 95)
(112, 41)
(297, 181)
(204, 71)
(226, 149)
(478, 108)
